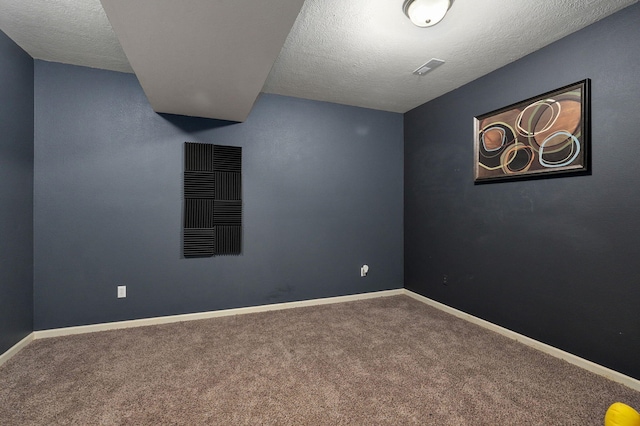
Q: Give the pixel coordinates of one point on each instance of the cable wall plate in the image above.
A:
(212, 200)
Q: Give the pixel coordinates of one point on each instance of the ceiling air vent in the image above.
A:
(425, 68)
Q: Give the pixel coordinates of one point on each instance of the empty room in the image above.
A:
(319, 212)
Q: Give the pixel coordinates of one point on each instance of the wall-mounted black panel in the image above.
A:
(198, 213)
(212, 200)
(228, 239)
(227, 212)
(199, 184)
(198, 156)
(227, 159)
(199, 242)
(228, 186)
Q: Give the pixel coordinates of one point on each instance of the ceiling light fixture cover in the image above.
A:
(425, 13)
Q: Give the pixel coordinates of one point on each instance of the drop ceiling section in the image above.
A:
(202, 58)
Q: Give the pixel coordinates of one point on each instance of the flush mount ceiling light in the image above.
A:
(425, 13)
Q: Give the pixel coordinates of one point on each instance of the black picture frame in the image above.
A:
(543, 136)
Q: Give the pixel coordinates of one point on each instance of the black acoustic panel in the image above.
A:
(199, 213)
(199, 184)
(199, 242)
(228, 240)
(198, 156)
(228, 186)
(227, 212)
(212, 200)
(227, 159)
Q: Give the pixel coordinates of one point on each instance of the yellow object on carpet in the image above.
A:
(620, 414)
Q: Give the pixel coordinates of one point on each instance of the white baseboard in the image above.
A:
(15, 349)
(553, 351)
(66, 331)
(558, 353)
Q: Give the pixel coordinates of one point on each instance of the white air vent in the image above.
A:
(433, 63)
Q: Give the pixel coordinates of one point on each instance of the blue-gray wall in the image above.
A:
(322, 190)
(16, 193)
(556, 259)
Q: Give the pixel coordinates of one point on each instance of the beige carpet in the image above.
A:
(381, 361)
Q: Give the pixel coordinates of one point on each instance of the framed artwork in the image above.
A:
(543, 136)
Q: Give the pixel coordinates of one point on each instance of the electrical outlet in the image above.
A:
(364, 270)
(122, 291)
(445, 280)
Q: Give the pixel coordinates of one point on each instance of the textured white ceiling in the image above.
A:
(69, 31)
(356, 52)
(363, 52)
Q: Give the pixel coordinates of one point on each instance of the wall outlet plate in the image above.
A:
(364, 270)
(122, 291)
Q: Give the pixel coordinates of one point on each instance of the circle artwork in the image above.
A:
(542, 135)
